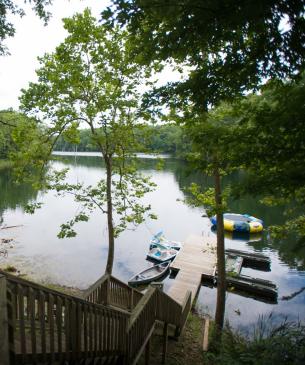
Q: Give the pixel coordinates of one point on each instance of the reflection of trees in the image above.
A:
(13, 195)
(92, 161)
(290, 251)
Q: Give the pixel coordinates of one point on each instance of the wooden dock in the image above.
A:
(197, 257)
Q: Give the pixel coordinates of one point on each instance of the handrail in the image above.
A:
(140, 325)
(95, 286)
(154, 305)
(140, 307)
(186, 307)
(168, 310)
(49, 326)
(37, 286)
(109, 290)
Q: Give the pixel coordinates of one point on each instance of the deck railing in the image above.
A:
(141, 325)
(48, 326)
(109, 290)
(154, 305)
(186, 307)
(41, 325)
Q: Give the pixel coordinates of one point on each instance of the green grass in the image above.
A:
(187, 350)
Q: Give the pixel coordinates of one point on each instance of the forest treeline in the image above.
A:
(166, 138)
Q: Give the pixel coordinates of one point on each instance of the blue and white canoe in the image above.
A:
(161, 253)
(159, 239)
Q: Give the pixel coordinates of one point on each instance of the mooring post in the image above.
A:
(4, 339)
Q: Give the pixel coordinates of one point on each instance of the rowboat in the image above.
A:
(162, 254)
(160, 239)
(153, 273)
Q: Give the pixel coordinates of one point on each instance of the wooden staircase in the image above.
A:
(112, 323)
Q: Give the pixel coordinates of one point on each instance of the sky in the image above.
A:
(33, 39)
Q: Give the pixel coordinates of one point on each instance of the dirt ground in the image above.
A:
(186, 351)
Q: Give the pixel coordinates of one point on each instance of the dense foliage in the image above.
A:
(230, 46)
(10, 121)
(168, 138)
(270, 145)
(92, 80)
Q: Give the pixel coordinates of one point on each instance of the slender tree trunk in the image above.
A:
(110, 258)
(221, 265)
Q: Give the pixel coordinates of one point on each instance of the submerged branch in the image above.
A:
(293, 295)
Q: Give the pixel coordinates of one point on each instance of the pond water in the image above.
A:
(81, 260)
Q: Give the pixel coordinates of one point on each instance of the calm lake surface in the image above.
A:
(81, 260)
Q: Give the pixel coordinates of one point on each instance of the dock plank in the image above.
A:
(197, 257)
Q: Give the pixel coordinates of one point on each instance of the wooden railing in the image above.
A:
(154, 305)
(186, 307)
(109, 290)
(41, 325)
(48, 326)
(141, 325)
(168, 310)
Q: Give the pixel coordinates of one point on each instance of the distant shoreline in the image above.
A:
(98, 154)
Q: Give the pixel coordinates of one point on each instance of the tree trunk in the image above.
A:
(221, 265)
(110, 258)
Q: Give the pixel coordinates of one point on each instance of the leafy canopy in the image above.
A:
(92, 80)
(272, 147)
(230, 46)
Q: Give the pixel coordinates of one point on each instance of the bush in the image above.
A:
(267, 345)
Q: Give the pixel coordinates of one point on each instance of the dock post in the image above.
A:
(4, 338)
(205, 343)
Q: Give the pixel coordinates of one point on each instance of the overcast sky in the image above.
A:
(33, 39)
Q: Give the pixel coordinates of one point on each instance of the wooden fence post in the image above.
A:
(165, 334)
(147, 352)
(132, 299)
(108, 291)
(4, 339)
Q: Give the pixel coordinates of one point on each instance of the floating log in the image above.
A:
(253, 260)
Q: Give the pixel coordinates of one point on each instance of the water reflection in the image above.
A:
(81, 260)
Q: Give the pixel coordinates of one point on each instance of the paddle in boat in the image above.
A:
(240, 223)
(160, 239)
(152, 273)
